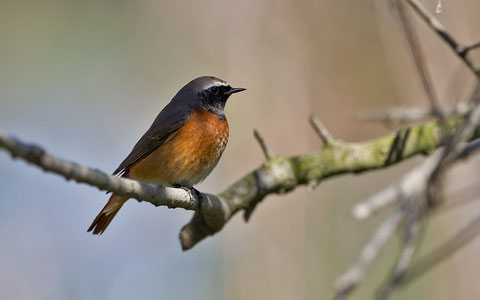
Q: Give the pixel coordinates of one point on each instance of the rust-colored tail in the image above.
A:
(106, 215)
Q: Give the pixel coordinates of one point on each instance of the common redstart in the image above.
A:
(181, 147)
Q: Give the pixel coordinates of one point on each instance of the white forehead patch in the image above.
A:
(216, 83)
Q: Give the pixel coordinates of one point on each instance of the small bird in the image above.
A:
(181, 147)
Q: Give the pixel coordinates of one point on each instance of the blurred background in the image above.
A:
(85, 79)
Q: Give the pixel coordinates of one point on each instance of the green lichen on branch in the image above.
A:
(282, 174)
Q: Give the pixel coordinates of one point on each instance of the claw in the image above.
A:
(192, 192)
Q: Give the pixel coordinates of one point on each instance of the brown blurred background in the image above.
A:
(86, 78)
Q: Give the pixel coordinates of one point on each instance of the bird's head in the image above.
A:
(209, 93)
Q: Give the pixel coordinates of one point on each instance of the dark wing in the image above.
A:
(169, 120)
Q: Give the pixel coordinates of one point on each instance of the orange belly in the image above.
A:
(189, 155)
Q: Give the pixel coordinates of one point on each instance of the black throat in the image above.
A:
(212, 104)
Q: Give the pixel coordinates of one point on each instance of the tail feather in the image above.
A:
(107, 214)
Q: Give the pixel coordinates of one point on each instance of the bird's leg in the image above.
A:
(199, 197)
(192, 192)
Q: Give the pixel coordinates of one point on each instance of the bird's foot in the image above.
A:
(192, 192)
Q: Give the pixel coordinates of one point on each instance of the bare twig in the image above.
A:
(410, 244)
(410, 188)
(473, 147)
(418, 57)
(436, 26)
(468, 48)
(265, 148)
(321, 131)
(438, 255)
(347, 282)
(406, 115)
(411, 185)
(415, 182)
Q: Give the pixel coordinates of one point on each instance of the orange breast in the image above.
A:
(189, 155)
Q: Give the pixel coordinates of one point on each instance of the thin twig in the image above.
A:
(409, 186)
(409, 247)
(438, 255)
(436, 26)
(428, 175)
(321, 130)
(405, 115)
(418, 57)
(265, 148)
(347, 282)
(468, 48)
(414, 183)
(409, 189)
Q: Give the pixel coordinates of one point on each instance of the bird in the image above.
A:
(182, 146)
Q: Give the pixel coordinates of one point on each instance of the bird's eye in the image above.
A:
(215, 90)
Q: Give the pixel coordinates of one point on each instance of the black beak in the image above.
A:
(236, 90)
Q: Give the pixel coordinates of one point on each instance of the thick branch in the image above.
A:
(156, 194)
(277, 175)
(280, 174)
